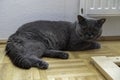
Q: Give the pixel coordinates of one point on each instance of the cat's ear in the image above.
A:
(81, 19)
(101, 21)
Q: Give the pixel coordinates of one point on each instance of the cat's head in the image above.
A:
(90, 29)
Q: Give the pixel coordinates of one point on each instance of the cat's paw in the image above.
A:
(64, 56)
(97, 46)
(42, 65)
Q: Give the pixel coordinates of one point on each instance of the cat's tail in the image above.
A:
(15, 54)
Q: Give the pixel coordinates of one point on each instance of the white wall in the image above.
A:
(112, 26)
(14, 13)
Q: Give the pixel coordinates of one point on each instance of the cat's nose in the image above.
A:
(91, 36)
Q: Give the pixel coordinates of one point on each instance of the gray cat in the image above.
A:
(39, 39)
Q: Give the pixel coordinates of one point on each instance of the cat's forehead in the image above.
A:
(92, 24)
(91, 21)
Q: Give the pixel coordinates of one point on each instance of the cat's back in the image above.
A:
(46, 25)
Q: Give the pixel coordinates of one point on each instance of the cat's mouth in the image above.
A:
(90, 39)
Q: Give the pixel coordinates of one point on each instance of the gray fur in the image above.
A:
(39, 39)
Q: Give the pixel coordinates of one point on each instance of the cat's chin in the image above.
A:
(86, 39)
(90, 40)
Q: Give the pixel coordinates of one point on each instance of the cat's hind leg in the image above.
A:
(28, 62)
(37, 62)
(56, 54)
(20, 61)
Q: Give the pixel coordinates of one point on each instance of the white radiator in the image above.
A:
(100, 7)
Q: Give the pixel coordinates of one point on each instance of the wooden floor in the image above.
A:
(78, 67)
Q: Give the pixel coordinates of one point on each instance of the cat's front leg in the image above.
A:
(85, 45)
(94, 45)
(89, 45)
